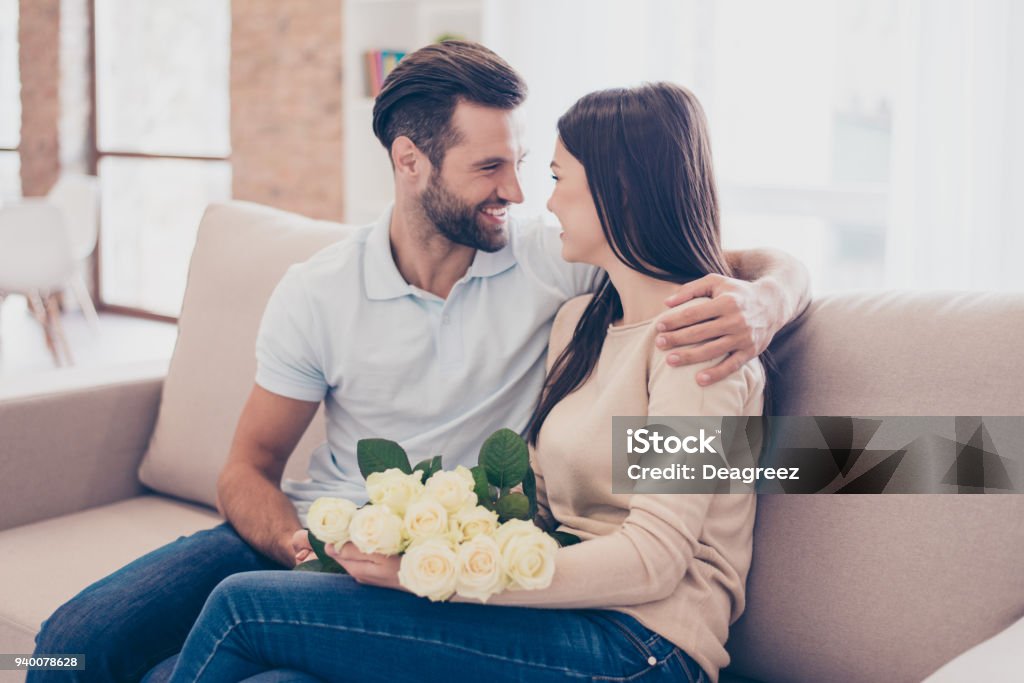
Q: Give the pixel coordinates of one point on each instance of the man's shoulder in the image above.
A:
(537, 248)
(530, 237)
(334, 260)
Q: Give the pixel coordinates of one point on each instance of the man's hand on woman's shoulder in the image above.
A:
(738, 322)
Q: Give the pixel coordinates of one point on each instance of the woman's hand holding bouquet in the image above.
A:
(435, 532)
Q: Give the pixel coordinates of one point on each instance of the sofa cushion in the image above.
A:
(887, 587)
(99, 541)
(241, 252)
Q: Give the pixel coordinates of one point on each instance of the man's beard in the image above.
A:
(457, 221)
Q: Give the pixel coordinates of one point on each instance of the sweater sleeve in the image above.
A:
(647, 557)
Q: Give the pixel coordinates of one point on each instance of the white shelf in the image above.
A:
(404, 25)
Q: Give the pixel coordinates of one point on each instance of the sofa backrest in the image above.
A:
(241, 252)
(887, 587)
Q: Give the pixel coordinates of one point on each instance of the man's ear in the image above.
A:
(407, 158)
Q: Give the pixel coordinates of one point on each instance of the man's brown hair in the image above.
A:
(420, 94)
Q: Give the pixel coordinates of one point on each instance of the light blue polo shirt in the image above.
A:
(393, 361)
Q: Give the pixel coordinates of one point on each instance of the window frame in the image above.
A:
(93, 157)
(17, 148)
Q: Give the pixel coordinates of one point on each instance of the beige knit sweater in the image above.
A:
(676, 562)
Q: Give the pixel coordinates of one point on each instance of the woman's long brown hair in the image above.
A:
(647, 156)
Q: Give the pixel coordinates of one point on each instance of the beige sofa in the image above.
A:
(843, 588)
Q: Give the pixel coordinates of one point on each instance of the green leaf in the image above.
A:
(480, 487)
(564, 538)
(513, 506)
(530, 489)
(429, 467)
(327, 563)
(377, 455)
(310, 566)
(505, 458)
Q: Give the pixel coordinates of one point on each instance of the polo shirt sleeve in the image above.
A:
(545, 248)
(287, 362)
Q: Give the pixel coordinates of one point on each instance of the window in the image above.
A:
(798, 95)
(801, 123)
(162, 142)
(10, 102)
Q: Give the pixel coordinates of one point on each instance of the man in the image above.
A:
(428, 328)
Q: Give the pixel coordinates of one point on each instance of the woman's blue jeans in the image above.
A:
(327, 627)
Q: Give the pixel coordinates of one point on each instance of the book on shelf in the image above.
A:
(379, 64)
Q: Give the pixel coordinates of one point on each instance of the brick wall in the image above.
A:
(286, 123)
(39, 61)
(286, 128)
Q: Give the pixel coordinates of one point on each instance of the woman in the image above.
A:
(651, 591)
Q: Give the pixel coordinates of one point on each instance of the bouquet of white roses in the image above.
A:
(461, 531)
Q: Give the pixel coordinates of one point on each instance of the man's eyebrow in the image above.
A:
(490, 161)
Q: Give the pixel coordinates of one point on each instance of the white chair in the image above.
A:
(36, 260)
(77, 196)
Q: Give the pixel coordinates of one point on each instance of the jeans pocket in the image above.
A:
(644, 655)
(694, 672)
(638, 635)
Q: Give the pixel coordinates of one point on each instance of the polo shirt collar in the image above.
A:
(382, 279)
(380, 274)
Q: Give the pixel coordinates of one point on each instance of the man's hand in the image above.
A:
(738, 322)
(370, 569)
(301, 548)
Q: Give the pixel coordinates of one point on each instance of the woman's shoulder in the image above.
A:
(574, 307)
(568, 315)
(565, 324)
(736, 393)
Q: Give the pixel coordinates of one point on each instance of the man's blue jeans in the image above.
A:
(334, 629)
(141, 614)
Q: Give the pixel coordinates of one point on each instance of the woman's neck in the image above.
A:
(642, 296)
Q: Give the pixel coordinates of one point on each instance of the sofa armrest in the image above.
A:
(72, 440)
(997, 659)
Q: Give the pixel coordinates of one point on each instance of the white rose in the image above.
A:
(471, 522)
(328, 519)
(452, 489)
(425, 517)
(527, 555)
(479, 570)
(394, 488)
(428, 569)
(513, 528)
(376, 529)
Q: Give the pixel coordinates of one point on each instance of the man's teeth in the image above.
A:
(497, 213)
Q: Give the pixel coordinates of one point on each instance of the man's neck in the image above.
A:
(425, 258)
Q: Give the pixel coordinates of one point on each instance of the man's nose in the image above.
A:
(510, 190)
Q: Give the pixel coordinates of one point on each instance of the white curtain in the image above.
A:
(957, 192)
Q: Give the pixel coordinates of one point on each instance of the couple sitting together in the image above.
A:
(437, 326)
